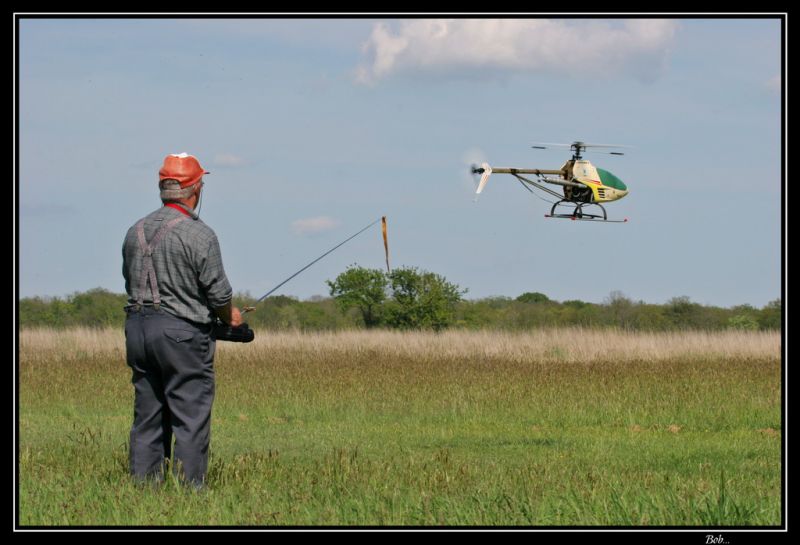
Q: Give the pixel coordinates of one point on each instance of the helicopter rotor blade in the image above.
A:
(545, 145)
(579, 146)
(577, 143)
(485, 171)
(603, 146)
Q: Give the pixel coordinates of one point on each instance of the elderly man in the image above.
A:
(176, 287)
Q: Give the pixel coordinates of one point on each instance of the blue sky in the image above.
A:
(313, 128)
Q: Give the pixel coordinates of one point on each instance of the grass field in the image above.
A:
(561, 427)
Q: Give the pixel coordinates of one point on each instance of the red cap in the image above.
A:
(182, 167)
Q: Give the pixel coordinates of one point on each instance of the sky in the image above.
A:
(313, 128)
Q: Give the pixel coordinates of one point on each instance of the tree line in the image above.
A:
(408, 298)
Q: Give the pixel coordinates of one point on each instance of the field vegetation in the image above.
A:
(360, 302)
(550, 427)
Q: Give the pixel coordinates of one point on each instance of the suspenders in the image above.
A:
(147, 257)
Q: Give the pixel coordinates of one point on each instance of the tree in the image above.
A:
(620, 309)
(770, 315)
(533, 297)
(421, 300)
(361, 288)
(681, 312)
(99, 307)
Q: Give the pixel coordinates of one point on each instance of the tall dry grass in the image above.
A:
(564, 344)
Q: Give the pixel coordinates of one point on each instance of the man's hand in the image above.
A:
(236, 317)
(230, 314)
(234, 329)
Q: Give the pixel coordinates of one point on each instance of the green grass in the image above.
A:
(415, 430)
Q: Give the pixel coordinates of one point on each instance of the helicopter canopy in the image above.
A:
(610, 180)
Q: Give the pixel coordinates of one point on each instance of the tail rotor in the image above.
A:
(484, 171)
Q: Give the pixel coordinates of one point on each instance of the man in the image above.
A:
(176, 287)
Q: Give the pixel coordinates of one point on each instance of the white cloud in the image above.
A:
(228, 160)
(314, 225)
(582, 49)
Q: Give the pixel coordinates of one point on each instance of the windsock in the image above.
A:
(385, 243)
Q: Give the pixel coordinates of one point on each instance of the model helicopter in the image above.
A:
(585, 186)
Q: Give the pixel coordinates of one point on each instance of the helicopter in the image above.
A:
(585, 186)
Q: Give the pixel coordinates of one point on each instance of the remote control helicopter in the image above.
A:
(585, 186)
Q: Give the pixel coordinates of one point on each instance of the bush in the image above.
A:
(421, 300)
(743, 321)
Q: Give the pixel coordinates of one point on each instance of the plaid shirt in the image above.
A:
(188, 265)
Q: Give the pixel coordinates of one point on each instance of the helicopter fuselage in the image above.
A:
(602, 185)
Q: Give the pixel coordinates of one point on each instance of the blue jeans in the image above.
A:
(173, 378)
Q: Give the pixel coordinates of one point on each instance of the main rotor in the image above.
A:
(577, 147)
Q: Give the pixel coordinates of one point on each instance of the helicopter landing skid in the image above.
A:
(578, 214)
(574, 218)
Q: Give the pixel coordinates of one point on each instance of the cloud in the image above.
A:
(580, 49)
(228, 160)
(318, 224)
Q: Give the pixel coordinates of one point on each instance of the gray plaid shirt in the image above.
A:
(188, 266)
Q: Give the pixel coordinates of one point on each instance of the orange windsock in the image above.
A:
(385, 243)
